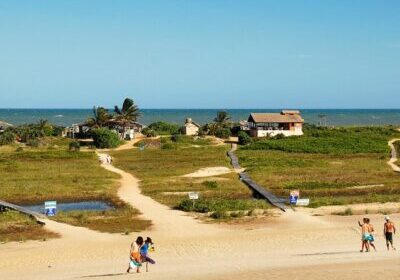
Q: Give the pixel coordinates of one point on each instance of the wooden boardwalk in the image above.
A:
(263, 192)
(37, 216)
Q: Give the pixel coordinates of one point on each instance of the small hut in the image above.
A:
(191, 127)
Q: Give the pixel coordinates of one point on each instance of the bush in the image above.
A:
(211, 184)
(105, 138)
(148, 132)
(219, 215)
(223, 133)
(244, 138)
(176, 138)
(74, 146)
(8, 137)
(164, 128)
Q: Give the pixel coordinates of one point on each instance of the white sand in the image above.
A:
(295, 245)
(209, 172)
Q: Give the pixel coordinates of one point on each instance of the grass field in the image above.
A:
(341, 140)
(35, 175)
(18, 227)
(161, 170)
(330, 171)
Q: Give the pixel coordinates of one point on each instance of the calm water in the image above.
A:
(72, 206)
(66, 117)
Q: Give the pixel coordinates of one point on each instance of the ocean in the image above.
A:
(335, 117)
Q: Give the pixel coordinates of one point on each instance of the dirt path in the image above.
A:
(393, 157)
(165, 220)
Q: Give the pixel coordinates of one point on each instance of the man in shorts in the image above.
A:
(389, 229)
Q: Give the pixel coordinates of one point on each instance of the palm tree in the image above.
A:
(128, 113)
(100, 117)
(222, 118)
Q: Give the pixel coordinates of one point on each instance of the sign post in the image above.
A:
(294, 196)
(50, 208)
(193, 196)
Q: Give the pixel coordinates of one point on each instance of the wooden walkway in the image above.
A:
(37, 216)
(244, 177)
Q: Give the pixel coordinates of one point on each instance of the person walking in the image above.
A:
(364, 235)
(135, 257)
(389, 230)
(371, 237)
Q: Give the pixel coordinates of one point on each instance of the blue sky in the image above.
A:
(200, 54)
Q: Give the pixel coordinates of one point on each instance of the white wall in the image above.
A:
(265, 133)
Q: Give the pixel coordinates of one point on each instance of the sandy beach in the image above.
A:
(294, 244)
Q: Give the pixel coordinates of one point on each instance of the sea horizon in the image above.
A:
(334, 117)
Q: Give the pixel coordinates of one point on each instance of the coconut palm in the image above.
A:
(100, 117)
(129, 111)
(222, 118)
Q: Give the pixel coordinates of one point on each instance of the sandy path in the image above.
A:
(393, 157)
(165, 221)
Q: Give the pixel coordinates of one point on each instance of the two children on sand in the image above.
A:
(139, 253)
(367, 234)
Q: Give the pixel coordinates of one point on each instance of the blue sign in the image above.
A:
(294, 196)
(50, 208)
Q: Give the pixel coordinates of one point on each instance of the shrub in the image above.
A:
(211, 184)
(164, 128)
(223, 133)
(219, 215)
(74, 146)
(8, 137)
(176, 137)
(167, 146)
(244, 138)
(148, 132)
(105, 138)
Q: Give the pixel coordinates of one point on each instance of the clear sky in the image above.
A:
(200, 54)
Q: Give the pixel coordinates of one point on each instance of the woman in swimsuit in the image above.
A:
(135, 258)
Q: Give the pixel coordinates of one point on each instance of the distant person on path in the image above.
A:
(364, 235)
(389, 230)
(144, 251)
(135, 258)
(371, 231)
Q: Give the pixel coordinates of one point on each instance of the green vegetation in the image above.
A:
(345, 165)
(161, 173)
(244, 138)
(34, 175)
(18, 227)
(165, 128)
(8, 137)
(323, 140)
(119, 220)
(105, 138)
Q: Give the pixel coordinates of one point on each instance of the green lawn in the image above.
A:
(161, 170)
(331, 170)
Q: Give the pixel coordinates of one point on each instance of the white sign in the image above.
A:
(50, 208)
(193, 195)
(303, 202)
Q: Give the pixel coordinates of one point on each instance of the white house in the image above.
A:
(191, 128)
(287, 122)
